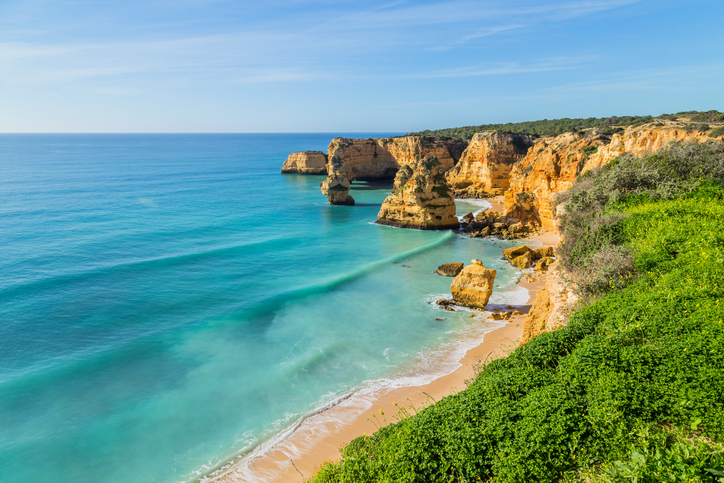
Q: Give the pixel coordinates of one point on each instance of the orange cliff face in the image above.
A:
(421, 199)
(553, 164)
(484, 168)
(382, 158)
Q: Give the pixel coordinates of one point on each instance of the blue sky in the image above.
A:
(346, 66)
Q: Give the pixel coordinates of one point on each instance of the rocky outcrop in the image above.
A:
(366, 159)
(553, 164)
(485, 165)
(551, 306)
(473, 286)
(306, 162)
(336, 186)
(498, 225)
(515, 252)
(449, 269)
(523, 257)
(423, 201)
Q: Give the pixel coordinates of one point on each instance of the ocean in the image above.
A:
(171, 302)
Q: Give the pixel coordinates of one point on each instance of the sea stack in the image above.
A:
(306, 162)
(336, 186)
(473, 286)
(421, 199)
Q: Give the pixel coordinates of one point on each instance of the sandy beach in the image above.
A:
(318, 438)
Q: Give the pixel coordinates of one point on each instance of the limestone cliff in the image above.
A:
(484, 167)
(552, 164)
(366, 159)
(473, 286)
(306, 162)
(423, 201)
(551, 306)
(336, 186)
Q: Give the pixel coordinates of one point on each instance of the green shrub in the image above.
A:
(717, 132)
(591, 248)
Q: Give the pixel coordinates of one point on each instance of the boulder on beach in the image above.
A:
(473, 286)
(523, 261)
(543, 252)
(515, 252)
(449, 269)
(543, 264)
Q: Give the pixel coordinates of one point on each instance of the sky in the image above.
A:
(350, 66)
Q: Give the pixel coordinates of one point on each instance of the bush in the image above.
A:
(591, 249)
(717, 132)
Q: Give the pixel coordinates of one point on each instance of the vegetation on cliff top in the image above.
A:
(554, 127)
(629, 390)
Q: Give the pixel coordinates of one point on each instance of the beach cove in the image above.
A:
(190, 305)
(319, 438)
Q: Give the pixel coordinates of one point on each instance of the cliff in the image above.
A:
(485, 165)
(336, 186)
(552, 164)
(421, 199)
(306, 162)
(551, 306)
(365, 159)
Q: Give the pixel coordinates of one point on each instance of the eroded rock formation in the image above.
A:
(306, 162)
(490, 223)
(553, 164)
(336, 186)
(485, 165)
(473, 286)
(366, 159)
(423, 201)
(550, 307)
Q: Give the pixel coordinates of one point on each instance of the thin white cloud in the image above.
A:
(506, 68)
(290, 53)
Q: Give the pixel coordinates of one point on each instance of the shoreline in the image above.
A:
(317, 438)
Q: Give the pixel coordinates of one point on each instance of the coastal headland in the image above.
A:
(527, 179)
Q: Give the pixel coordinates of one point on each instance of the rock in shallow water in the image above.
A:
(515, 252)
(473, 286)
(421, 200)
(306, 162)
(449, 269)
(336, 186)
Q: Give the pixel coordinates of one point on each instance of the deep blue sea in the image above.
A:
(169, 302)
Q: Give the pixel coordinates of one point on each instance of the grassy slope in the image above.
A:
(631, 389)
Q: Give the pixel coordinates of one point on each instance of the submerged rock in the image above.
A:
(449, 269)
(421, 200)
(336, 186)
(473, 286)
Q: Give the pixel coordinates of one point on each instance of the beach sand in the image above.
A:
(318, 438)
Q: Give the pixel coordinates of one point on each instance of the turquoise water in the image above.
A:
(168, 302)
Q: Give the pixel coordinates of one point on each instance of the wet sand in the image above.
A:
(318, 438)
